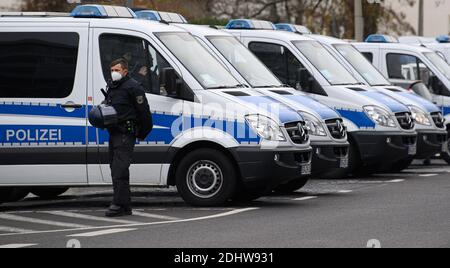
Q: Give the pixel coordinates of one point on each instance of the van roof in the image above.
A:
(280, 35)
(116, 23)
(202, 30)
(394, 46)
(327, 39)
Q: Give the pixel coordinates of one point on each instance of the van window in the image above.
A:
(285, 65)
(368, 55)
(407, 67)
(38, 65)
(146, 65)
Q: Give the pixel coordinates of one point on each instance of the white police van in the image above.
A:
(381, 130)
(430, 127)
(325, 126)
(402, 63)
(440, 44)
(208, 140)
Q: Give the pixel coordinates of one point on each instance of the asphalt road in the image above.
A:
(411, 209)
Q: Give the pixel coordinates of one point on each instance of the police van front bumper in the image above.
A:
(430, 143)
(328, 157)
(267, 169)
(385, 148)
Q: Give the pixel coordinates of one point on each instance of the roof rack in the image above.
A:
(33, 14)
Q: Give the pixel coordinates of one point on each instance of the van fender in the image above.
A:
(205, 134)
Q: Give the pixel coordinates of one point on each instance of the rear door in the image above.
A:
(43, 104)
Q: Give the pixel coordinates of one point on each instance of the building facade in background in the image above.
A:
(10, 5)
(436, 15)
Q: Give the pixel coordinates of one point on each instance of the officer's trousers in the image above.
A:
(121, 148)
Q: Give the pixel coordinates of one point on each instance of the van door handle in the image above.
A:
(71, 105)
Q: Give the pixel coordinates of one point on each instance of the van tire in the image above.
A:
(12, 194)
(49, 193)
(206, 178)
(292, 186)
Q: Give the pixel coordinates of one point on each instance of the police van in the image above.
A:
(440, 44)
(209, 139)
(381, 130)
(325, 126)
(402, 63)
(429, 120)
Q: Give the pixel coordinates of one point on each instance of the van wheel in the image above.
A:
(206, 177)
(49, 193)
(12, 194)
(292, 186)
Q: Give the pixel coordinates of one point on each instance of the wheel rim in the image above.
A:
(204, 179)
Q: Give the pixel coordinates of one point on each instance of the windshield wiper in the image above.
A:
(228, 87)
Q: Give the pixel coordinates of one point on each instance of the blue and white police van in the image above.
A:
(429, 120)
(209, 140)
(405, 63)
(325, 126)
(381, 130)
(440, 44)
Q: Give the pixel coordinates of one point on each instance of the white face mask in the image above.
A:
(116, 76)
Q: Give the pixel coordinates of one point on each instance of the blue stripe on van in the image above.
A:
(360, 119)
(394, 105)
(41, 110)
(446, 110)
(324, 111)
(286, 114)
(167, 127)
(428, 105)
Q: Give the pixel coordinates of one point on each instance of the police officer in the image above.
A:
(127, 97)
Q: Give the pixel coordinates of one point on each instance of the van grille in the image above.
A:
(438, 119)
(303, 158)
(336, 128)
(405, 120)
(297, 132)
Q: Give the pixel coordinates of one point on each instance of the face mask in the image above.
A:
(116, 76)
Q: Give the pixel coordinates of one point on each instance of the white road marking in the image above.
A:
(396, 181)
(103, 232)
(428, 175)
(88, 217)
(305, 198)
(154, 216)
(17, 246)
(39, 221)
(217, 216)
(345, 191)
(14, 230)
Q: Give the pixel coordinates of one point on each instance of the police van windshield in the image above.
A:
(327, 64)
(362, 65)
(443, 67)
(203, 66)
(246, 63)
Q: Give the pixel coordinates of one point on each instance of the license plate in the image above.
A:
(306, 170)
(344, 162)
(412, 150)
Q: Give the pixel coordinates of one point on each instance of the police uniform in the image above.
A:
(134, 121)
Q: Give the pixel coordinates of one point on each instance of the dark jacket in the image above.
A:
(128, 98)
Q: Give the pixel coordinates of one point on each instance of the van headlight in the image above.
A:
(265, 127)
(420, 116)
(313, 125)
(380, 116)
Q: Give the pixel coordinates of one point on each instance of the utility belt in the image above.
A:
(127, 127)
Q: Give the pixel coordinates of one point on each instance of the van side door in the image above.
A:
(43, 101)
(147, 63)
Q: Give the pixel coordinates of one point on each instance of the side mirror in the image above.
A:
(175, 87)
(171, 82)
